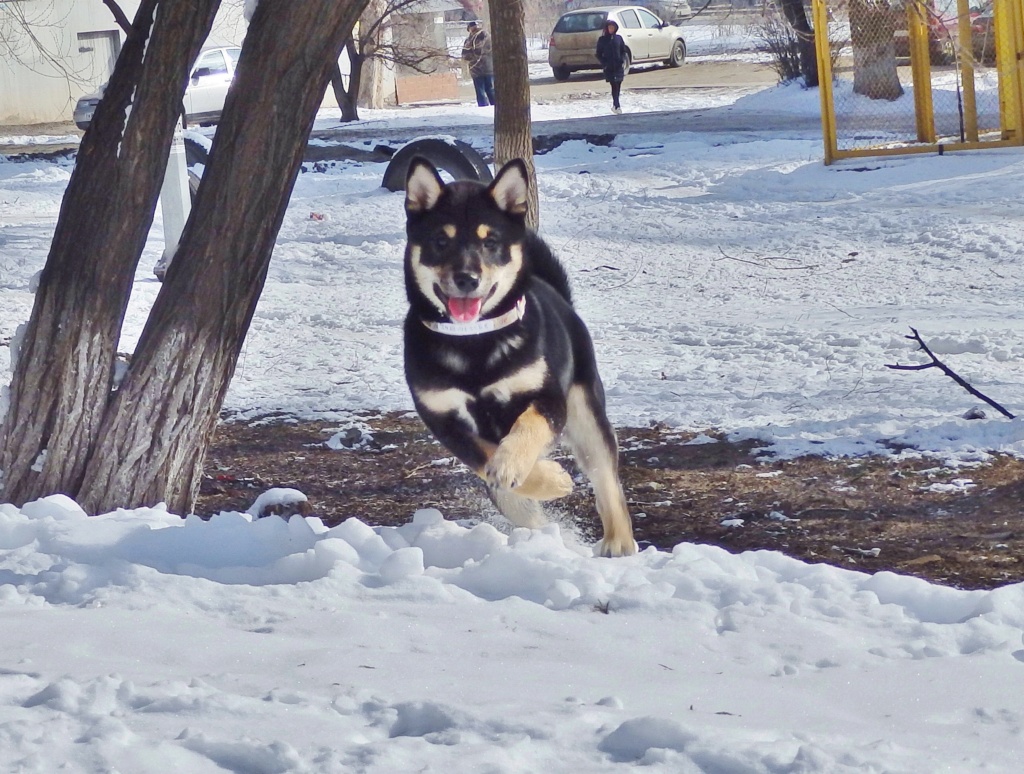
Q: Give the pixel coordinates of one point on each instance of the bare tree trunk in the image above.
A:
(872, 34)
(344, 96)
(376, 81)
(348, 98)
(153, 440)
(797, 18)
(513, 130)
(63, 373)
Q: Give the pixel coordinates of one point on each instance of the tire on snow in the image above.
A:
(459, 159)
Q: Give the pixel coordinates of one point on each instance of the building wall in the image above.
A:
(421, 36)
(80, 40)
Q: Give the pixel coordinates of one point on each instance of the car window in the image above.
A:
(233, 54)
(581, 22)
(648, 19)
(213, 61)
(629, 20)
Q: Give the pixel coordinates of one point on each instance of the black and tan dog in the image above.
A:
(498, 363)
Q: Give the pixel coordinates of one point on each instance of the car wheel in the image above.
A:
(627, 64)
(561, 73)
(675, 59)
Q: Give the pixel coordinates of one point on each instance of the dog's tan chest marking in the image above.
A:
(448, 401)
(529, 378)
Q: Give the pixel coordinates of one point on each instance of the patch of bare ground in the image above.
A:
(962, 528)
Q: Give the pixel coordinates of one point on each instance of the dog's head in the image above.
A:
(465, 259)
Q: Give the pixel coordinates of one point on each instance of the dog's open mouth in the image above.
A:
(464, 310)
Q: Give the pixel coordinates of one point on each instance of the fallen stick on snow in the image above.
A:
(936, 363)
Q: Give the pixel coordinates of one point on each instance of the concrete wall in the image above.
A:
(79, 40)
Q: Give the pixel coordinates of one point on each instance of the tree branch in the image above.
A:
(936, 363)
(119, 16)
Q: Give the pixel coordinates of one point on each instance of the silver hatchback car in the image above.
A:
(204, 95)
(648, 39)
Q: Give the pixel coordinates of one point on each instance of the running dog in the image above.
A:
(499, 364)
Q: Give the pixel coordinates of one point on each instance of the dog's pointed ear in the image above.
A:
(511, 188)
(423, 186)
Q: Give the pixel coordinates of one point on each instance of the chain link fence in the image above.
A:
(918, 75)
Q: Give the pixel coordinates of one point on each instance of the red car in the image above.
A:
(941, 17)
(983, 37)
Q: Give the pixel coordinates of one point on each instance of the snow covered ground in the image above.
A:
(732, 282)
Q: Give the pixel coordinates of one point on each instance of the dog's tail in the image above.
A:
(547, 267)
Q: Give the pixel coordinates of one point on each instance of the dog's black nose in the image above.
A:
(466, 282)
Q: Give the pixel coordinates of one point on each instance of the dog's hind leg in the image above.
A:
(592, 440)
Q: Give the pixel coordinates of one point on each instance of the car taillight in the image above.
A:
(551, 43)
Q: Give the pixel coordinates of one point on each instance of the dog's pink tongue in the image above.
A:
(464, 309)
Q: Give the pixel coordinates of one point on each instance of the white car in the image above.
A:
(204, 96)
(573, 42)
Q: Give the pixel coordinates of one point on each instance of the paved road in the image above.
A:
(692, 75)
(697, 74)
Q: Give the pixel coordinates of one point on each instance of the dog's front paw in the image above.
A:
(507, 469)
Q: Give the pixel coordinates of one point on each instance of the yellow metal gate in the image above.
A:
(906, 76)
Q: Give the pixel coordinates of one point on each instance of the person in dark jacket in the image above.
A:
(611, 53)
(476, 51)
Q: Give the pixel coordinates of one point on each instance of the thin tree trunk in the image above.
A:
(154, 438)
(376, 76)
(796, 15)
(349, 110)
(348, 99)
(513, 130)
(63, 374)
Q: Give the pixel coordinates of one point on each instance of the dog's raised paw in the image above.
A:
(547, 481)
(506, 469)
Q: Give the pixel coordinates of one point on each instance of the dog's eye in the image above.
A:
(491, 243)
(441, 241)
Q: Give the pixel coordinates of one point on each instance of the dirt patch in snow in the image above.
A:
(962, 528)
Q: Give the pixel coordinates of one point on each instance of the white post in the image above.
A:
(175, 201)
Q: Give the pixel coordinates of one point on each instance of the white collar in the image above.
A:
(513, 315)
